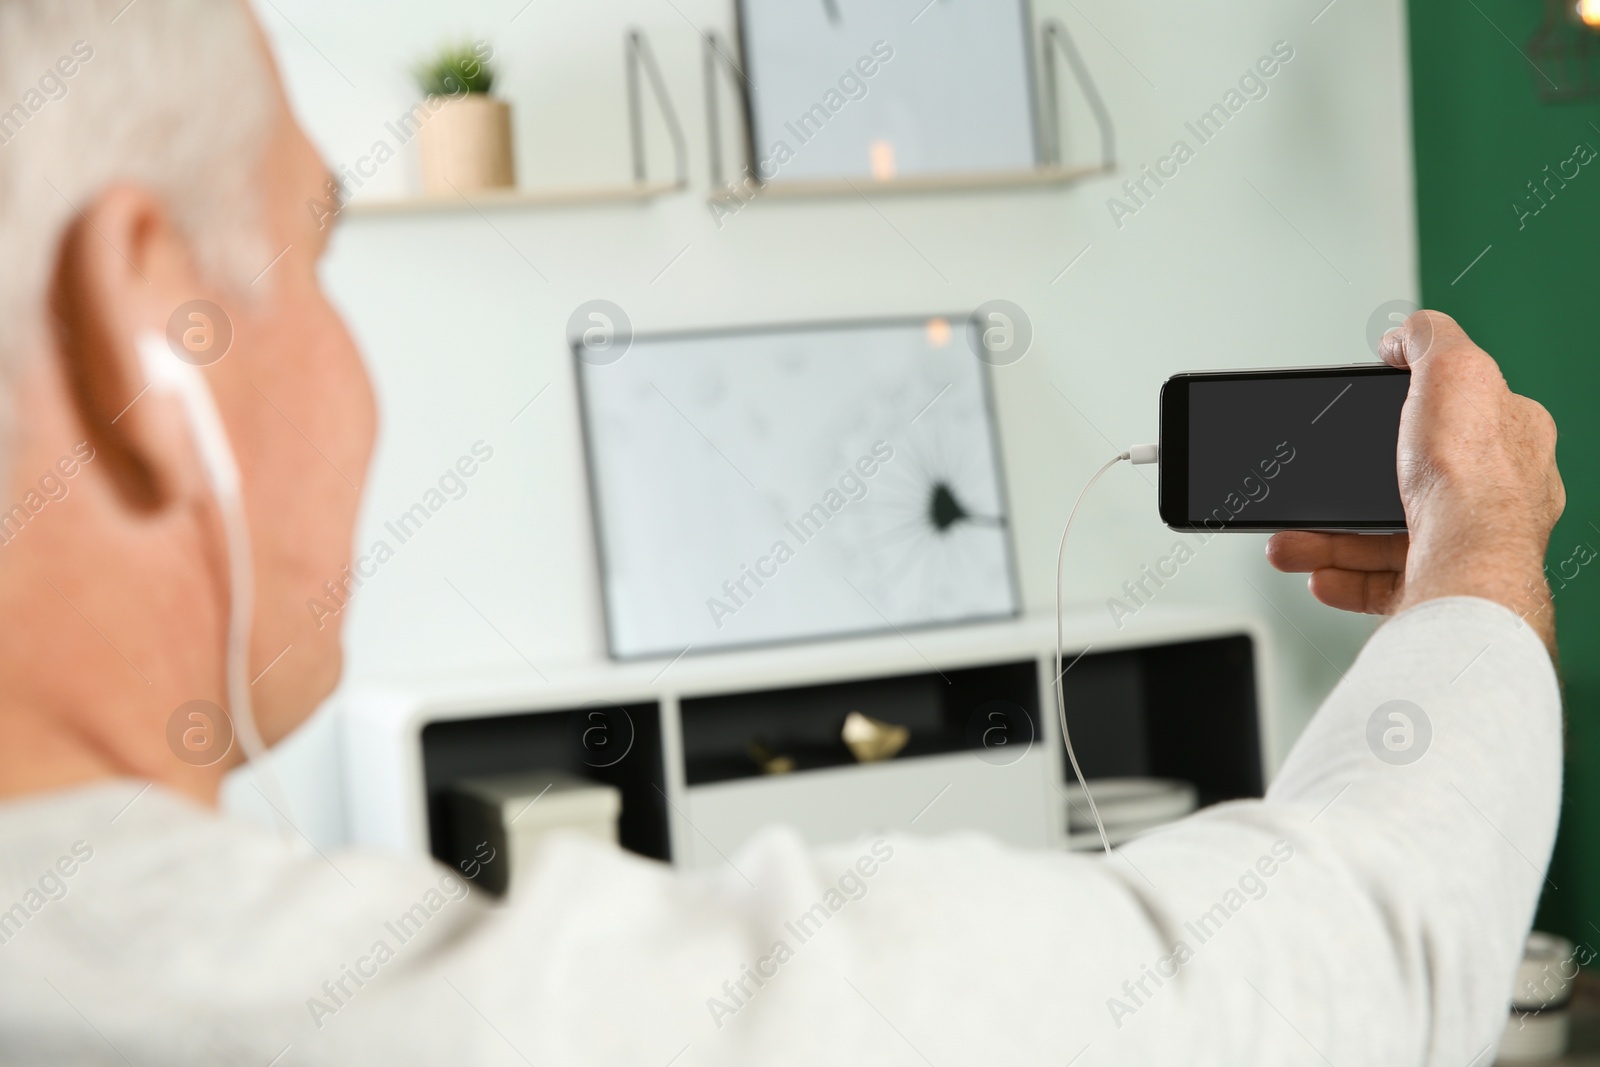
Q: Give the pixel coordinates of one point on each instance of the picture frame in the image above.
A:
(867, 448)
(880, 90)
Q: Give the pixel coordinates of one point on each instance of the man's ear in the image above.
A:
(122, 269)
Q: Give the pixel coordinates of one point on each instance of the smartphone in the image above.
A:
(1306, 448)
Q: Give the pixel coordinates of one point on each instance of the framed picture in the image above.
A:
(786, 483)
(884, 89)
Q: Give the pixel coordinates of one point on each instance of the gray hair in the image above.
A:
(175, 96)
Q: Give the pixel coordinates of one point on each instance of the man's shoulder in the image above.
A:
(143, 865)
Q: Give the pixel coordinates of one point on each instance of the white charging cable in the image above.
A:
(170, 376)
(1137, 455)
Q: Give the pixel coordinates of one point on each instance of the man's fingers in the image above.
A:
(1421, 335)
(1435, 348)
(1369, 592)
(1299, 551)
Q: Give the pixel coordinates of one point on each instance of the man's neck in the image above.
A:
(39, 755)
(36, 757)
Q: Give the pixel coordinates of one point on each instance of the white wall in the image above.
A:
(1272, 246)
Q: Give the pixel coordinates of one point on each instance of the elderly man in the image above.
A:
(1362, 913)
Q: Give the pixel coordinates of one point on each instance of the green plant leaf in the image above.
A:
(457, 70)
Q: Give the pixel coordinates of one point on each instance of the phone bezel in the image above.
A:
(1173, 469)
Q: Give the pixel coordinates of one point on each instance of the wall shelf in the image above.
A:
(500, 199)
(977, 181)
(642, 69)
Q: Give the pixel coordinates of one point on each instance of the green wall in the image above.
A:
(1533, 301)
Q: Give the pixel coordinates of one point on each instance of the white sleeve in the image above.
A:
(1368, 911)
(1435, 838)
(1417, 813)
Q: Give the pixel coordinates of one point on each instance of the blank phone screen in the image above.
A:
(1297, 449)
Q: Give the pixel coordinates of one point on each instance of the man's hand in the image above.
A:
(1478, 478)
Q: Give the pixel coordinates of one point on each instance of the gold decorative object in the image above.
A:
(873, 740)
(769, 761)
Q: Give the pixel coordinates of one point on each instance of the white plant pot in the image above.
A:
(466, 145)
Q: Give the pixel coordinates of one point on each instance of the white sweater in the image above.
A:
(1364, 913)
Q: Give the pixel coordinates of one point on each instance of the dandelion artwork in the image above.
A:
(794, 483)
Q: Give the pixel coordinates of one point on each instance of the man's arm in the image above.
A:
(1368, 911)
(1447, 819)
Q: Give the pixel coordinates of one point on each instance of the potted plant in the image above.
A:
(466, 136)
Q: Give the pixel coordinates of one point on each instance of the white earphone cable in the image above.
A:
(1138, 454)
(169, 375)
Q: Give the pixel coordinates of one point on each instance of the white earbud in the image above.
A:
(167, 374)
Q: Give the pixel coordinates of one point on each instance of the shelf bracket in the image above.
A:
(714, 55)
(641, 59)
(1056, 40)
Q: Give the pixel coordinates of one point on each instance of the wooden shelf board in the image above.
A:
(976, 181)
(482, 199)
